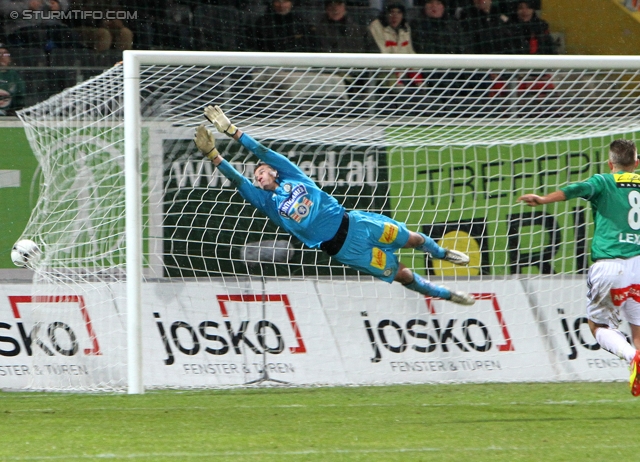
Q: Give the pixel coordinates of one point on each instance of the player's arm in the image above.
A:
(222, 123)
(534, 199)
(206, 144)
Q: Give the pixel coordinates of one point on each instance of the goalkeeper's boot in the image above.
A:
(463, 298)
(634, 379)
(456, 257)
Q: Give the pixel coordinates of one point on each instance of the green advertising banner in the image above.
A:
(80, 216)
(467, 197)
(19, 187)
(463, 196)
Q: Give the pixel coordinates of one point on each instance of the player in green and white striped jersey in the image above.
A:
(614, 278)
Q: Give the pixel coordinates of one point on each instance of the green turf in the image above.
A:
(490, 422)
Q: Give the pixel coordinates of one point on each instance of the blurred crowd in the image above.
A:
(93, 33)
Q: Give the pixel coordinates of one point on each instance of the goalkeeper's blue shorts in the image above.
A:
(371, 244)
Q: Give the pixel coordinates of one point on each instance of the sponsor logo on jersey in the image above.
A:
(378, 258)
(627, 180)
(620, 295)
(389, 234)
(302, 210)
(297, 205)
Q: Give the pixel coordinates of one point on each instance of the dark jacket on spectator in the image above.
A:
(289, 32)
(345, 36)
(438, 36)
(533, 37)
(487, 33)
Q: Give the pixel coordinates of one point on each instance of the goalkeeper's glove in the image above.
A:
(205, 142)
(220, 121)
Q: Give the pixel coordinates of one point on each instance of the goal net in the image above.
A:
(171, 279)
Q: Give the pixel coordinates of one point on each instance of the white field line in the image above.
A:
(183, 455)
(341, 406)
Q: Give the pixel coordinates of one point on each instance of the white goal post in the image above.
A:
(441, 142)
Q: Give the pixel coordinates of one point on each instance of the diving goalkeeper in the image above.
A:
(364, 241)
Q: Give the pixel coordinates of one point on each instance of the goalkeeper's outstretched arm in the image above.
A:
(205, 142)
(276, 160)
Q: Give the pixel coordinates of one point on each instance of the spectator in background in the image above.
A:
(379, 4)
(435, 31)
(147, 16)
(101, 34)
(391, 32)
(338, 33)
(283, 29)
(12, 88)
(458, 8)
(509, 7)
(530, 33)
(486, 29)
(175, 30)
(44, 31)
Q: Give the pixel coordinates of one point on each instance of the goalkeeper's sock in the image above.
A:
(614, 341)
(422, 286)
(431, 247)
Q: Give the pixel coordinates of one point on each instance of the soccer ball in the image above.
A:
(25, 252)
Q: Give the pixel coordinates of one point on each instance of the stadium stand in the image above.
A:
(218, 28)
(223, 25)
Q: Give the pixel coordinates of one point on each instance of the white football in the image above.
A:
(25, 252)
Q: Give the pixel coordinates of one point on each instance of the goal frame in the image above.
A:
(134, 59)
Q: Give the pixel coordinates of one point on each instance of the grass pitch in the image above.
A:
(488, 422)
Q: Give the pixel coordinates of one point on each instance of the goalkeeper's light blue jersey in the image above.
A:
(615, 200)
(297, 205)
